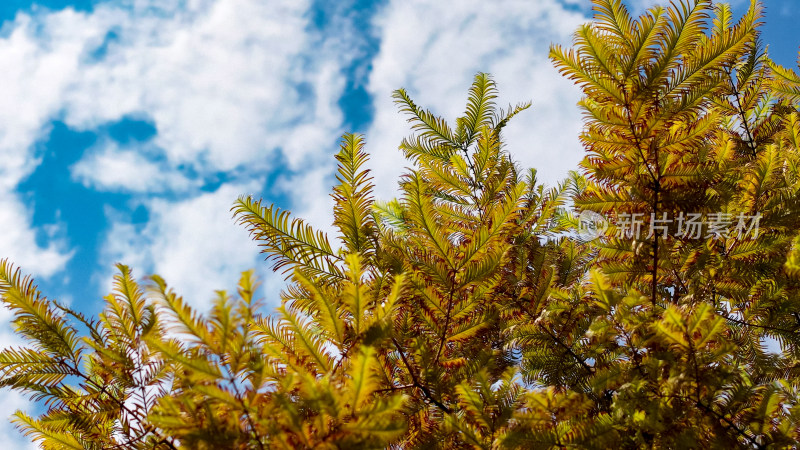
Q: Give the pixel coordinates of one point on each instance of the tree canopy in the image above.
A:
(473, 311)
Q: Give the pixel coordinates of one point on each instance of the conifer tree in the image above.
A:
(471, 312)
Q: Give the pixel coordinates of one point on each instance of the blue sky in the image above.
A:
(129, 127)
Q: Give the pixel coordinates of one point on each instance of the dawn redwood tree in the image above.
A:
(472, 311)
(686, 116)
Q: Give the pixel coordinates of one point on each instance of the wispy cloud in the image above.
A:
(19, 243)
(111, 167)
(192, 243)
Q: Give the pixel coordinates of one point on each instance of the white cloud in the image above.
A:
(228, 85)
(223, 84)
(18, 240)
(108, 167)
(193, 244)
(435, 61)
(37, 66)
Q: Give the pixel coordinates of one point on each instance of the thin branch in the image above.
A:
(765, 327)
(751, 144)
(443, 339)
(569, 350)
(731, 425)
(246, 411)
(425, 391)
(637, 139)
(396, 388)
(700, 403)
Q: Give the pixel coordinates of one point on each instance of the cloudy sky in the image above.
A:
(129, 127)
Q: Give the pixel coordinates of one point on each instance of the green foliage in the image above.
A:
(468, 313)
